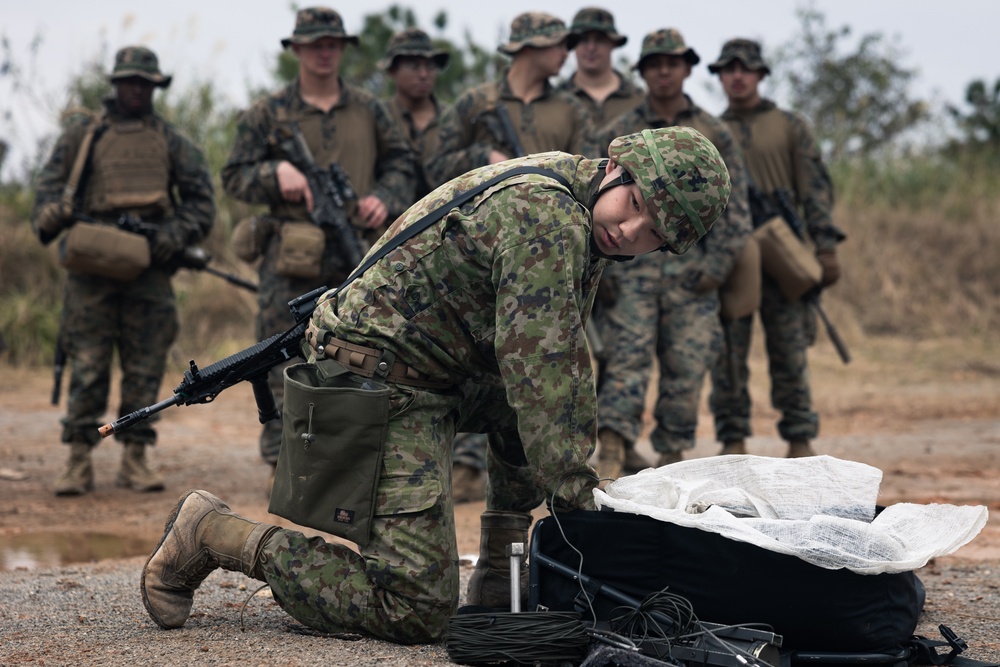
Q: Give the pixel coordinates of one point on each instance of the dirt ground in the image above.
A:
(926, 413)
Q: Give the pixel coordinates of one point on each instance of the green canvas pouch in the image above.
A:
(333, 438)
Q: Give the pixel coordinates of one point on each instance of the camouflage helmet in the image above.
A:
(313, 23)
(416, 43)
(595, 19)
(682, 178)
(668, 41)
(141, 62)
(745, 50)
(537, 29)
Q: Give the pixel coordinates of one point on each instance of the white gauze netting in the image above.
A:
(820, 509)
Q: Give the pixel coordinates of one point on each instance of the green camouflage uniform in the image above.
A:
(781, 151)
(369, 137)
(660, 306)
(138, 319)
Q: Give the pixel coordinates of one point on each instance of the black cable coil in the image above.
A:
(529, 638)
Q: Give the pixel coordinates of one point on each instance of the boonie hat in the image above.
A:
(537, 29)
(666, 42)
(595, 19)
(745, 50)
(682, 178)
(315, 22)
(413, 42)
(139, 61)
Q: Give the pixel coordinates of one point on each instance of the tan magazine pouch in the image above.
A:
(300, 250)
(789, 261)
(739, 295)
(332, 442)
(102, 250)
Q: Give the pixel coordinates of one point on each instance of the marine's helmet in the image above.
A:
(682, 177)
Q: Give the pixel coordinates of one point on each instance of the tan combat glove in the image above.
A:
(51, 220)
(831, 267)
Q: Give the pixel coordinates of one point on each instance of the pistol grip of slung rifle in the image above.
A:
(267, 409)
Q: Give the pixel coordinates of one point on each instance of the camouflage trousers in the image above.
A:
(137, 319)
(649, 322)
(789, 330)
(404, 584)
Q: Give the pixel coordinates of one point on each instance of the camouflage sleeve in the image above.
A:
(194, 213)
(541, 344)
(249, 174)
(815, 188)
(726, 238)
(51, 180)
(456, 152)
(582, 128)
(395, 171)
(601, 138)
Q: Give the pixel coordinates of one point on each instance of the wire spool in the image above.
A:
(529, 638)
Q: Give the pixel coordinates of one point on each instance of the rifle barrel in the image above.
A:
(140, 415)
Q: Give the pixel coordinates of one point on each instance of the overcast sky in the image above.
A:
(235, 42)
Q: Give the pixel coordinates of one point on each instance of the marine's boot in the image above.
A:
(610, 454)
(468, 483)
(489, 584)
(78, 478)
(666, 458)
(134, 473)
(799, 448)
(733, 447)
(202, 534)
(634, 461)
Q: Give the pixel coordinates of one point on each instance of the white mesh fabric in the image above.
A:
(820, 509)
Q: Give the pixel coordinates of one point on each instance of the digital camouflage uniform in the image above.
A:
(148, 162)
(423, 143)
(491, 302)
(780, 151)
(469, 130)
(360, 135)
(669, 305)
(626, 97)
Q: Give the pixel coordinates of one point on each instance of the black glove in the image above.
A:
(50, 221)
(165, 244)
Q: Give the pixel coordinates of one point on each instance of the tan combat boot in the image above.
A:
(78, 478)
(468, 483)
(798, 449)
(733, 447)
(202, 534)
(634, 461)
(610, 454)
(489, 584)
(134, 473)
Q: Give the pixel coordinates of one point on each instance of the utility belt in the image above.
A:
(368, 362)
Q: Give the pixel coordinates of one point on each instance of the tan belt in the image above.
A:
(366, 361)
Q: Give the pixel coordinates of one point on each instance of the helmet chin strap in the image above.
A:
(624, 179)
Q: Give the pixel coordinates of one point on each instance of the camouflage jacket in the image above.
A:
(555, 121)
(627, 97)
(423, 143)
(781, 152)
(190, 186)
(249, 174)
(715, 254)
(497, 293)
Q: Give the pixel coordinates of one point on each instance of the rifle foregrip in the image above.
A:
(267, 409)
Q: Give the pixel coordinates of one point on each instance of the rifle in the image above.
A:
(202, 385)
(57, 368)
(785, 207)
(499, 124)
(197, 259)
(330, 188)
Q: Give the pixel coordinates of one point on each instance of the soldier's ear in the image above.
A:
(610, 166)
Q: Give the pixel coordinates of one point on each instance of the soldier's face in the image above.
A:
(320, 58)
(664, 75)
(134, 94)
(414, 76)
(593, 52)
(739, 82)
(548, 59)
(623, 225)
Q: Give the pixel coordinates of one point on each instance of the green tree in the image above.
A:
(981, 124)
(858, 100)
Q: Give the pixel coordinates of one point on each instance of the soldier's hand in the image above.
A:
(293, 184)
(164, 245)
(831, 267)
(707, 283)
(50, 220)
(497, 156)
(372, 211)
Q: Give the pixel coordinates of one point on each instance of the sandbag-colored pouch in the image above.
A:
(332, 442)
(739, 295)
(789, 261)
(104, 250)
(300, 250)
